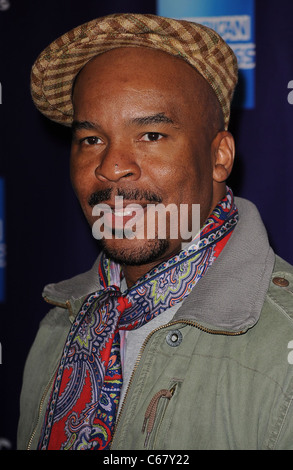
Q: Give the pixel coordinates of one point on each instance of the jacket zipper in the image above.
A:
(40, 410)
(185, 322)
(66, 305)
(151, 413)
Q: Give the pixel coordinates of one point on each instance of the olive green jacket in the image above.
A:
(219, 376)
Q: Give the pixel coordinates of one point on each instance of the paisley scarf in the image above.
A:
(82, 408)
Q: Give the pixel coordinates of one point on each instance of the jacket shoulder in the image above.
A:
(74, 288)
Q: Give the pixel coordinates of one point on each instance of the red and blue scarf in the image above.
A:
(82, 409)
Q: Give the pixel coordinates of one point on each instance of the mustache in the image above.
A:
(104, 195)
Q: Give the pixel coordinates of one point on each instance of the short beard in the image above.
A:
(137, 256)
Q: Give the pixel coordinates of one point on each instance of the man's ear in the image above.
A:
(223, 152)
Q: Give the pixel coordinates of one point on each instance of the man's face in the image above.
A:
(140, 132)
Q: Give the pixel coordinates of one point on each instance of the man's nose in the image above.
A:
(117, 163)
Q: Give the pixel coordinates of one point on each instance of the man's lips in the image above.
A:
(118, 216)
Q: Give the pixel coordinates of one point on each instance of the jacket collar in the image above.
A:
(230, 295)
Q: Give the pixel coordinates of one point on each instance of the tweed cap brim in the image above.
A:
(54, 71)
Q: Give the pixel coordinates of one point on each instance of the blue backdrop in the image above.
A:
(45, 234)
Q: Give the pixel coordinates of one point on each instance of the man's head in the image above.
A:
(147, 125)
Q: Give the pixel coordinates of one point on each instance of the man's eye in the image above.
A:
(91, 140)
(152, 137)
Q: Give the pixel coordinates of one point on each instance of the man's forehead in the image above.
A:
(140, 87)
(142, 68)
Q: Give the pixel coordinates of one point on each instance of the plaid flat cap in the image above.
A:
(55, 69)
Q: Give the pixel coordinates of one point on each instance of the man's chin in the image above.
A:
(135, 252)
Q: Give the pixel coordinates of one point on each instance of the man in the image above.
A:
(162, 345)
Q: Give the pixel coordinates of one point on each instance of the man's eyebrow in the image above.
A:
(157, 118)
(87, 125)
(152, 119)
